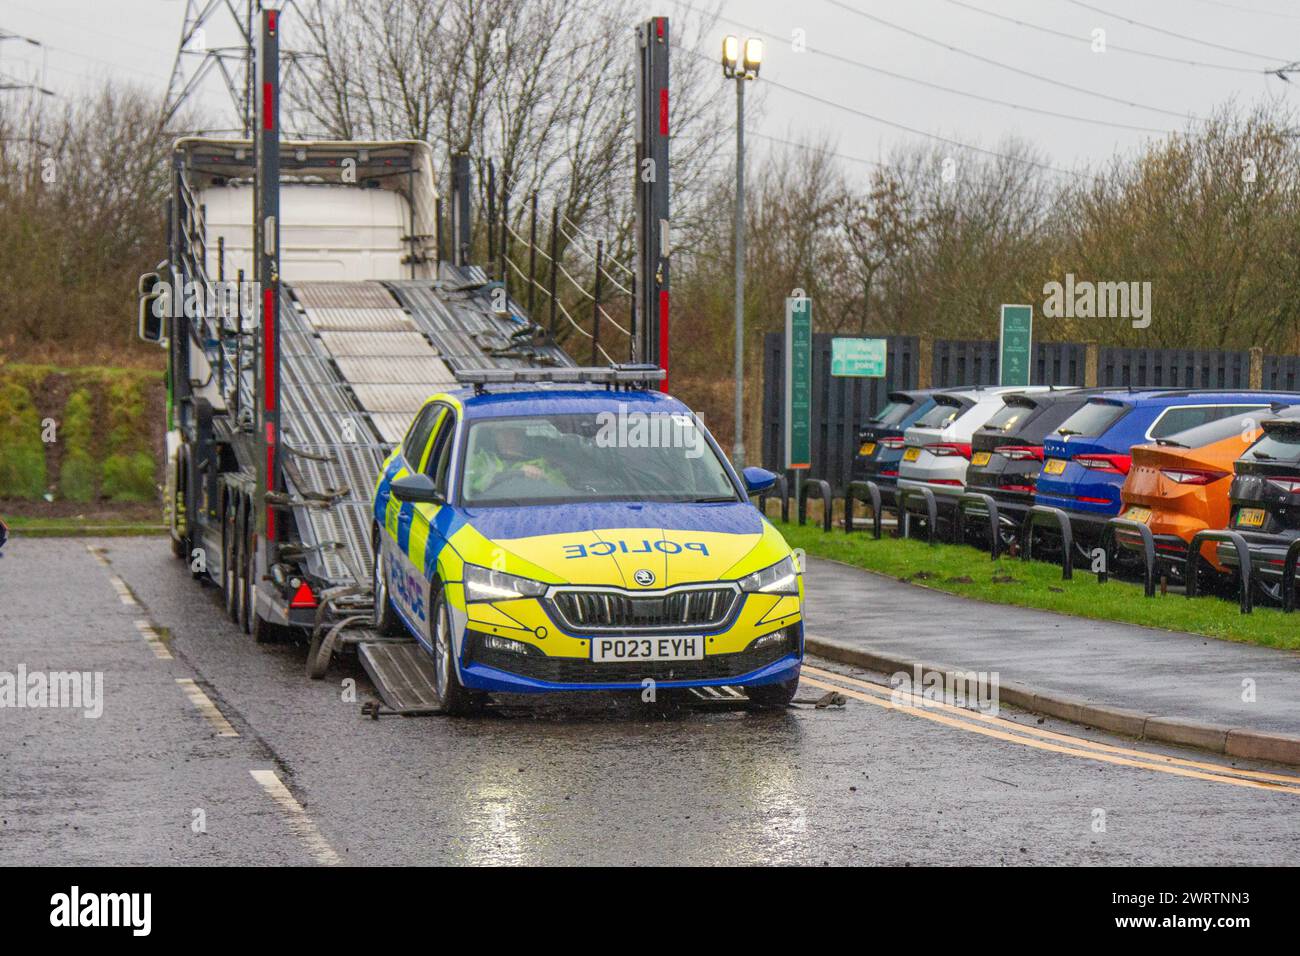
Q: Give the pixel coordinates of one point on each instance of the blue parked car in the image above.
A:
(880, 440)
(1087, 458)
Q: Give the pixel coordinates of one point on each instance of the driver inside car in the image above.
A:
(503, 455)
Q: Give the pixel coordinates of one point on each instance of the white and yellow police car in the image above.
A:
(575, 529)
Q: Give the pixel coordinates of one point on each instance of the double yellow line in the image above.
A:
(1038, 738)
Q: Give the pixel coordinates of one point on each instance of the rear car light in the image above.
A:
(1192, 476)
(1287, 484)
(948, 449)
(1020, 452)
(894, 443)
(1111, 464)
(889, 474)
(1027, 489)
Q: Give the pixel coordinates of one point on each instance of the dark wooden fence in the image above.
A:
(841, 405)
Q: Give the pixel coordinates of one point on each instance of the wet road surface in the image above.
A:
(211, 749)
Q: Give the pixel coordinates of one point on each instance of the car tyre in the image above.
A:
(386, 621)
(453, 697)
(772, 696)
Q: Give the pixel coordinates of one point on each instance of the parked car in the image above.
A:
(1089, 456)
(937, 449)
(1264, 497)
(880, 440)
(1007, 451)
(1179, 485)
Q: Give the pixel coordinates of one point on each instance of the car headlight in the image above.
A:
(485, 584)
(780, 578)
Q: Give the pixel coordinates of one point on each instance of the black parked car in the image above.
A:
(1007, 453)
(880, 440)
(1265, 500)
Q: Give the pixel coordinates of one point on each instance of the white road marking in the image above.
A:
(299, 822)
(153, 640)
(98, 554)
(123, 592)
(203, 703)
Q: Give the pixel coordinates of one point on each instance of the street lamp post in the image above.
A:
(740, 63)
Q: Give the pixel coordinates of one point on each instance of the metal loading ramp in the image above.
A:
(359, 360)
(458, 313)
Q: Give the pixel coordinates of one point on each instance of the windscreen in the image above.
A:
(1009, 417)
(1093, 419)
(1282, 444)
(893, 413)
(598, 456)
(1245, 424)
(941, 416)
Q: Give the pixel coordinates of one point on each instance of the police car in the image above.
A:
(575, 529)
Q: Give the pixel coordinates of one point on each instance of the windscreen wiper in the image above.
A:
(1171, 442)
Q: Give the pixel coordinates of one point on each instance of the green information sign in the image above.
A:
(798, 383)
(858, 358)
(1014, 344)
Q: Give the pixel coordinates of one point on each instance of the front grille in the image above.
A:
(579, 670)
(612, 610)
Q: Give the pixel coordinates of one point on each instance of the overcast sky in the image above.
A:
(86, 41)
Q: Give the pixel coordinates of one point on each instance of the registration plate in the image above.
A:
(980, 458)
(1142, 515)
(912, 454)
(868, 448)
(1054, 466)
(657, 648)
(1250, 518)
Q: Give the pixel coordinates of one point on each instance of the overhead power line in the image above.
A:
(1110, 47)
(1255, 10)
(1006, 66)
(1180, 36)
(850, 61)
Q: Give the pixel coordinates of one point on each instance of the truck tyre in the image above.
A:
(230, 557)
(261, 630)
(242, 575)
(454, 699)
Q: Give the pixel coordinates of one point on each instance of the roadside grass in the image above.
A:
(98, 527)
(968, 572)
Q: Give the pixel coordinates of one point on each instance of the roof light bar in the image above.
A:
(625, 375)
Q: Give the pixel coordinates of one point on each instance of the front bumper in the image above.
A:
(486, 669)
(557, 657)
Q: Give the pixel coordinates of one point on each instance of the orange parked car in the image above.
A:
(1179, 485)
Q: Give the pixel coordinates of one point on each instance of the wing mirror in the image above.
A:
(153, 291)
(758, 480)
(417, 488)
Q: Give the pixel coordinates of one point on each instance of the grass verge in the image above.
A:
(28, 527)
(968, 572)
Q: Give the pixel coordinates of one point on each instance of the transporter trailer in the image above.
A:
(309, 305)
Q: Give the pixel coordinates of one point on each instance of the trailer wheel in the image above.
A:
(180, 543)
(242, 574)
(230, 557)
(261, 630)
(453, 698)
(386, 621)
